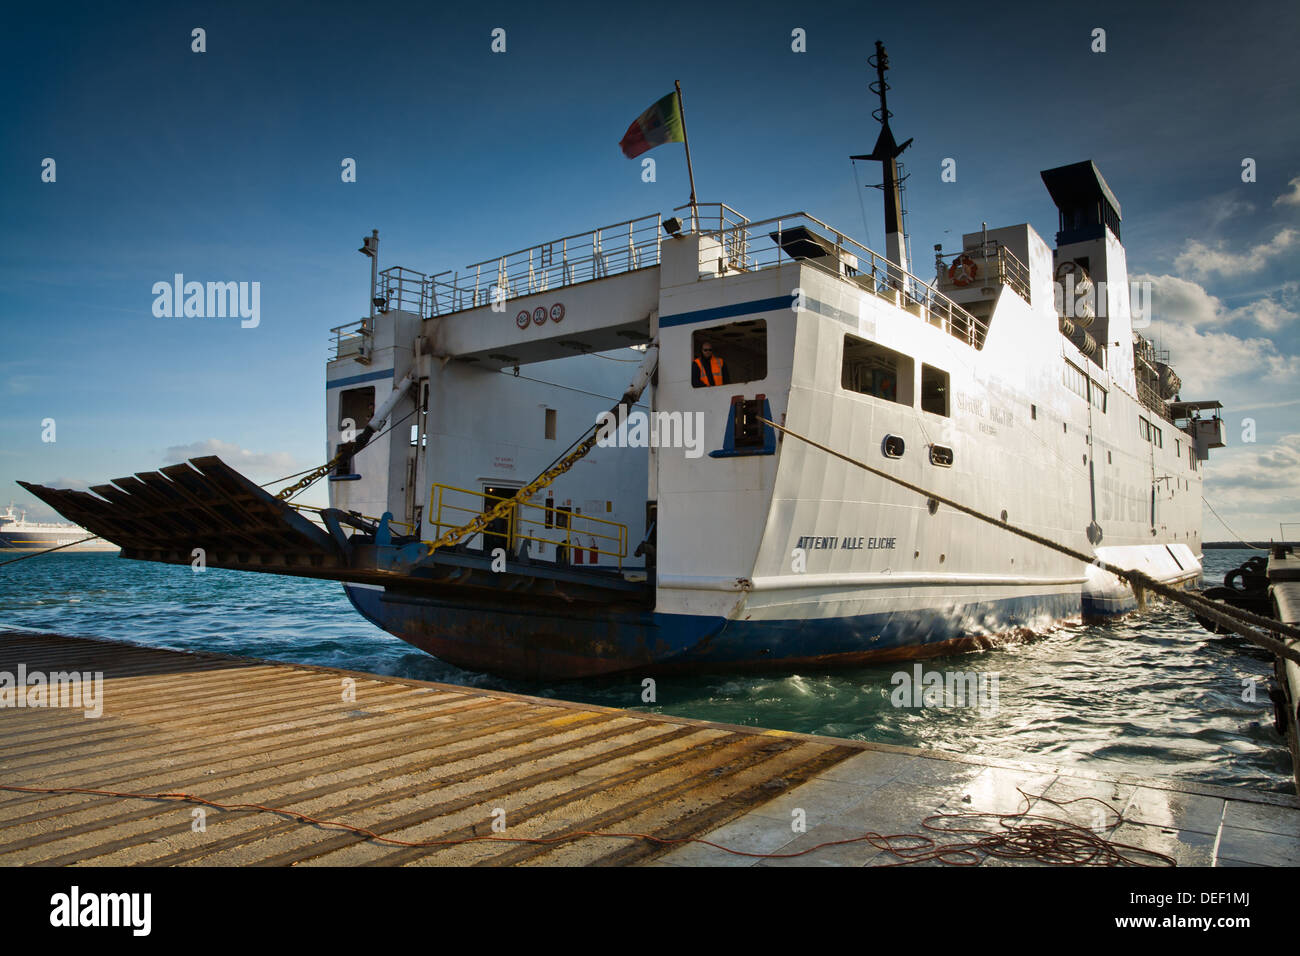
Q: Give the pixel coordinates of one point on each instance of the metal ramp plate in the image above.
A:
(165, 515)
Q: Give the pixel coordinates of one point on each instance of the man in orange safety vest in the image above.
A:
(708, 370)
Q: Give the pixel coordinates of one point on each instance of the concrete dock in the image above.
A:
(416, 762)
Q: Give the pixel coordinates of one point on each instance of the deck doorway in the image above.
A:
(498, 533)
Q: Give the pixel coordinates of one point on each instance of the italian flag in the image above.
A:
(661, 123)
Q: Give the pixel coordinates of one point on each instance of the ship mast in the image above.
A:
(886, 153)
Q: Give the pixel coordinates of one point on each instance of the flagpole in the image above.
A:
(690, 170)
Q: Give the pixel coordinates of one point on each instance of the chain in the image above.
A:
(284, 494)
(455, 535)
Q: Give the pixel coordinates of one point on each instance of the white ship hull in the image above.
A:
(780, 554)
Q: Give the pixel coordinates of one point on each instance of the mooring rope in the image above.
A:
(1253, 547)
(37, 554)
(1241, 622)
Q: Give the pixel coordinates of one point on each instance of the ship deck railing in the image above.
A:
(580, 535)
(351, 338)
(996, 264)
(595, 254)
(635, 244)
(799, 237)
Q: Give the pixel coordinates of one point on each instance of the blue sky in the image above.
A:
(225, 166)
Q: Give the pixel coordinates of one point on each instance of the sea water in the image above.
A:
(1152, 694)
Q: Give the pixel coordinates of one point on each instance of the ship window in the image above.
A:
(893, 446)
(741, 347)
(1098, 395)
(941, 455)
(1033, 411)
(934, 390)
(872, 369)
(1074, 379)
(356, 408)
(550, 424)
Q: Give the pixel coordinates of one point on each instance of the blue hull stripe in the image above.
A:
(358, 379)
(726, 311)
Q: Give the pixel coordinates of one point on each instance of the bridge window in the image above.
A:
(550, 424)
(934, 391)
(737, 353)
(872, 369)
(1075, 380)
(356, 408)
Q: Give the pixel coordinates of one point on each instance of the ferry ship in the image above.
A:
(19, 534)
(684, 530)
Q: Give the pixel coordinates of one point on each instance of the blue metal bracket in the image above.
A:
(729, 449)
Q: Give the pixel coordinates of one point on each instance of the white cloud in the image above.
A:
(1291, 198)
(1265, 465)
(1202, 260)
(1252, 487)
(75, 483)
(253, 464)
(1212, 359)
(1183, 302)
(1269, 314)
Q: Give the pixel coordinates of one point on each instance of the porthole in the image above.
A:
(933, 505)
(893, 446)
(1004, 515)
(941, 455)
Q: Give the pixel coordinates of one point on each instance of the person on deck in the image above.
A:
(709, 369)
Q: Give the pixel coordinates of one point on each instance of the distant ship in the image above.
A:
(730, 545)
(19, 534)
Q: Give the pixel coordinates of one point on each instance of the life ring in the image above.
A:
(963, 270)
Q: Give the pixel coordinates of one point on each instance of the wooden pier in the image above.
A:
(416, 762)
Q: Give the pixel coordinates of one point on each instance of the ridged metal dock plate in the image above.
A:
(165, 515)
(410, 760)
